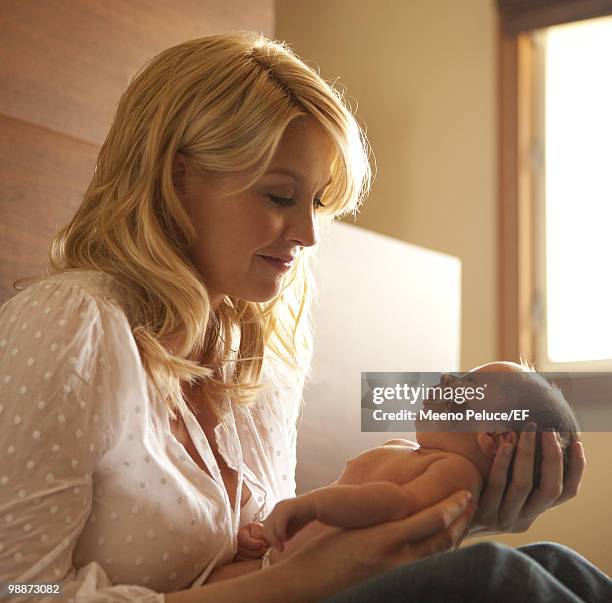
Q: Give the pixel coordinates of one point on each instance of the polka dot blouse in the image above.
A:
(95, 491)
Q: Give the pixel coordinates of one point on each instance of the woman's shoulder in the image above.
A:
(59, 293)
(61, 310)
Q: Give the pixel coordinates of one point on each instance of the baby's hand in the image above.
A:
(287, 518)
(251, 542)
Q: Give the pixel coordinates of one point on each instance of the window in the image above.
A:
(555, 187)
(572, 196)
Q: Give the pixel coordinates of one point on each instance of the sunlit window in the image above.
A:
(578, 191)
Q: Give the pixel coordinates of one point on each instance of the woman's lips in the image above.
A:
(278, 264)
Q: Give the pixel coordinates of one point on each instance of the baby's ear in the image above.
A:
(490, 442)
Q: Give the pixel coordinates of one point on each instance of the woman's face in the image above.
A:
(236, 232)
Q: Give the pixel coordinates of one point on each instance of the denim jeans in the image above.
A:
(487, 572)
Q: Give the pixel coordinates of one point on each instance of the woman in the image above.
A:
(152, 382)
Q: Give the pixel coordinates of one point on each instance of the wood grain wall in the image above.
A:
(63, 67)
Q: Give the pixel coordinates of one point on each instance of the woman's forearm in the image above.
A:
(233, 570)
(305, 535)
(275, 584)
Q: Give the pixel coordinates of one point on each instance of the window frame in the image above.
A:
(521, 195)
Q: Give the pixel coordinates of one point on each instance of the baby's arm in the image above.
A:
(342, 506)
(441, 479)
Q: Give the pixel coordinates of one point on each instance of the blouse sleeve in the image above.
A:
(54, 428)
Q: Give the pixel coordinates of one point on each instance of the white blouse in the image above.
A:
(96, 493)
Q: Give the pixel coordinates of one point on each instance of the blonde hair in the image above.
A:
(224, 102)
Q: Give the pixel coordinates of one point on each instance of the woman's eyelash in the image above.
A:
(288, 201)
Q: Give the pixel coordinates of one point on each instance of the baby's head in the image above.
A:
(508, 386)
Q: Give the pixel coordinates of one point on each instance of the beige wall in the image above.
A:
(423, 74)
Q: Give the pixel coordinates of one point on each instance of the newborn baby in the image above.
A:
(376, 485)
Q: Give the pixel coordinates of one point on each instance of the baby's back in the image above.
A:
(397, 461)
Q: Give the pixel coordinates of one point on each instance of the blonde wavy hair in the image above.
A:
(224, 102)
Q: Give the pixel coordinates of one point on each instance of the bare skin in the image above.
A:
(376, 485)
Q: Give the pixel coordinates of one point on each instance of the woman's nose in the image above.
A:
(304, 228)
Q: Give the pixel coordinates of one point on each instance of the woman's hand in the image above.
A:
(519, 507)
(340, 558)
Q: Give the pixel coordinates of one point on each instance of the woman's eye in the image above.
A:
(283, 201)
(288, 201)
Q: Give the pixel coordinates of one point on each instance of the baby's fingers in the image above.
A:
(256, 530)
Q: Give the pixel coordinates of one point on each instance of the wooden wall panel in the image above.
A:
(63, 67)
(44, 176)
(65, 63)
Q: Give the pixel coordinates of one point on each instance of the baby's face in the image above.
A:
(459, 441)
